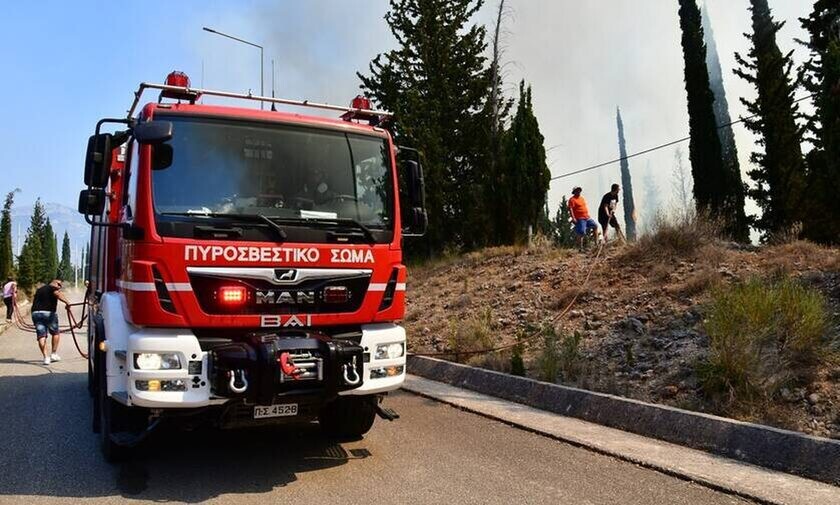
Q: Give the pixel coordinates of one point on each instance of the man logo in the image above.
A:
(287, 274)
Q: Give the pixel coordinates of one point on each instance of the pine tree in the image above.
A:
(526, 172)
(493, 117)
(626, 182)
(564, 234)
(820, 76)
(435, 82)
(65, 267)
(715, 191)
(729, 150)
(6, 254)
(50, 253)
(779, 172)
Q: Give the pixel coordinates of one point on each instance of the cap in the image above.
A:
(576, 189)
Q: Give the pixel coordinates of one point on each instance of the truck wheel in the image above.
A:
(348, 417)
(96, 375)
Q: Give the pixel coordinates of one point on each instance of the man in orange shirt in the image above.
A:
(580, 216)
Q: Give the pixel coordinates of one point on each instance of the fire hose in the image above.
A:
(534, 335)
(73, 325)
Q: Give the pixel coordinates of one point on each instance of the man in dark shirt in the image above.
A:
(45, 317)
(606, 211)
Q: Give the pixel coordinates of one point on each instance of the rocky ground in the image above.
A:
(640, 317)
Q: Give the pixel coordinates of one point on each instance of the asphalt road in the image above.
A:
(433, 454)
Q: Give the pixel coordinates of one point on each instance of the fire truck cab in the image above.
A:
(246, 265)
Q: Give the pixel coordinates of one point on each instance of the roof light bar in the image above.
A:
(185, 91)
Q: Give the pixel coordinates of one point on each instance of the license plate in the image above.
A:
(284, 410)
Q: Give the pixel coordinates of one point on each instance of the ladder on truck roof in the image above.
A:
(192, 94)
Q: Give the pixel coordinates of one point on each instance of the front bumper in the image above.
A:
(197, 370)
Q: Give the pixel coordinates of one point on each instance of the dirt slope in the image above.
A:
(640, 318)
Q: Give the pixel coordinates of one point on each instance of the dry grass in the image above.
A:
(700, 281)
(672, 239)
(787, 258)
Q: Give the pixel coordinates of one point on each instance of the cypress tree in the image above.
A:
(779, 172)
(6, 254)
(50, 253)
(626, 182)
(564, 234)
(820, 76)
(729, 151)
(435, 82)
(65, 267)
(31, 263)
(715, 191)
(526, 172)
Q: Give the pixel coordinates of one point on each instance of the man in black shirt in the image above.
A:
(606, 211)
(45, 317)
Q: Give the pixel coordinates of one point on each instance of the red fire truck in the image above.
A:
(246, 265)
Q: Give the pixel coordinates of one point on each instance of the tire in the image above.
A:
(112, 418)
(348, 418)
(97, 377)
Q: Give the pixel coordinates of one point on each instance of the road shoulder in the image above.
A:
(752, 482)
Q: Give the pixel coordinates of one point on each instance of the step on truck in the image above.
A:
(246, 264)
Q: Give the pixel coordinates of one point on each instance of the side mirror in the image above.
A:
(98, 160)
(152, 132)
(92, 202)
(416, 219)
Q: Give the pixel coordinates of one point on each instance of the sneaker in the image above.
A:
(47, 360)
(55, 357)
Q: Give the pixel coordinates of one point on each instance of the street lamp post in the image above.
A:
(262, 93)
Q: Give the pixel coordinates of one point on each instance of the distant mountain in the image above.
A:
(62, 218)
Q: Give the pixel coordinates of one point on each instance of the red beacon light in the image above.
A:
(231, 295)
(359, 104)
(180, 80)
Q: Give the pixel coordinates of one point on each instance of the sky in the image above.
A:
(67, 64)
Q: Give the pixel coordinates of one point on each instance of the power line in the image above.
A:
(661, 146)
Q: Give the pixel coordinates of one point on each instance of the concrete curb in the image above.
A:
(787, 451)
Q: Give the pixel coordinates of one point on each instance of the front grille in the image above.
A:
(266, 298)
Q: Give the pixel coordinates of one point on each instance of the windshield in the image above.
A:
(241, 168)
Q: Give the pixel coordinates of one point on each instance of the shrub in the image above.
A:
(560, 354)
(471, 334)
(762, 335)
(549, 359)
(517, 364)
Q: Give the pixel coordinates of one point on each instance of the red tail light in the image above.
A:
(231, 295)
(336, 294)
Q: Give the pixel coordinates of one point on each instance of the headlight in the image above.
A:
(389, 351)
(156, 361)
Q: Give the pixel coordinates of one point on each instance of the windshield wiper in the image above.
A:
(236, 218)
(341, 222)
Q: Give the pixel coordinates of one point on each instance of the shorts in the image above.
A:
(584, 225)
(45, 321)
(611, 221)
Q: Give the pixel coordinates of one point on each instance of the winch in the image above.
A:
(262, 366)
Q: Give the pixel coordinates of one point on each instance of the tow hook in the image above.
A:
(238, 376)
(351, 376)
(386, 413)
